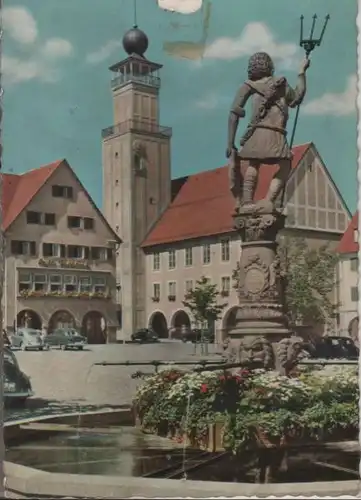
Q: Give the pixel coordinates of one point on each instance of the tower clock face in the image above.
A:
(181, 6)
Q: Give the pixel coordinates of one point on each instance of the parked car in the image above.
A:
(17, 386)
(65, 338)
(196, 336)
(333, 347)
(144, 335)
(27, 339)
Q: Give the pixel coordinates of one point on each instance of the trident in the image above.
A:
(308, 44)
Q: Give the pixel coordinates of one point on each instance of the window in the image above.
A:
(99, 284)
(156, 291)
(70, 283)
(23, 247)
(109, 253)
(225, 250)
(53, 250)
(74, 222)
(225, 285)
(354, 294)
(24, 281)
(188, 286)
(206, 253)
(55, 282)
(355, 235)
(85, 284)
(62, 192)
(99, 253)
(89, 223)
(172, 289)
(33, 217)
(75, 252)
(40, 282)
(189, 256)
(171, 259)
(354, 264)
(49, 219)
(156, 261)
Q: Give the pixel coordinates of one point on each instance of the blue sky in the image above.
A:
(57, 84)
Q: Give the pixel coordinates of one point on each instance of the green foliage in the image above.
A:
(202, 302)
(251, 406)
(310, 279)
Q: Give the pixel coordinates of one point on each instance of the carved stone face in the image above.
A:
(252, 351)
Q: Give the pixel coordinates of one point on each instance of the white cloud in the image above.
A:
(104, 52)
(181, 6)
(334, 104)
(57, 47)
(254, 38)
(210, 101)
(19, 24)
(41, 65)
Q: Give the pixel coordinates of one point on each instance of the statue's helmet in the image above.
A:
(260, 65)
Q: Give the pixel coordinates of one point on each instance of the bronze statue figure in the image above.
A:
(264, 141)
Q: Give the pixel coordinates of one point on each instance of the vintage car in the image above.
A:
(17, 386)
(144, 335)
(65, 338)
(27, 339)
(333, 347)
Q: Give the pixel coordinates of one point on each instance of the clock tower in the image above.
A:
(136, 171)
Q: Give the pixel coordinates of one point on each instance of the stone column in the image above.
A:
(260, 336)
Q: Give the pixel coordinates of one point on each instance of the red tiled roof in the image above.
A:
(19, 190)
(203, 204)
(347, 243)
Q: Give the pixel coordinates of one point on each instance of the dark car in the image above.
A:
(333, 347)
(17, 386)
(195, 336)
(144, 335)
(65, 338)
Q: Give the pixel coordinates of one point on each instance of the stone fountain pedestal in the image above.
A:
(260, 336)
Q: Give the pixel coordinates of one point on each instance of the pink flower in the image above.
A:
(204, 388)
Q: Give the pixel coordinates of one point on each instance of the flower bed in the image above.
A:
(253, 409)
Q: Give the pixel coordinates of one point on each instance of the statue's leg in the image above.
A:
(279, 180)
(250, 182)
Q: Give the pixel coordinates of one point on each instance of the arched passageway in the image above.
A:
(353, 329)
(94, 328)
(180, 319)
(27, 318)
(158, 323)
(229, 320)
(61, 319)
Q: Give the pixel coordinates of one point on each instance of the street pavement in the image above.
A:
(62, 379)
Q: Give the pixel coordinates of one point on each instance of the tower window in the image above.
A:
(116, 154)
(116, 182)
(117, 204)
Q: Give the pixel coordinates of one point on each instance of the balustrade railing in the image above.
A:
(134, 125)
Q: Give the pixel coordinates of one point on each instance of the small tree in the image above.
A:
(202, 302)
(310, 280)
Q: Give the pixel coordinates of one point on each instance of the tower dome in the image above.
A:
(135, 41)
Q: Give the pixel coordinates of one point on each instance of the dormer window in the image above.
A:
(62, 192)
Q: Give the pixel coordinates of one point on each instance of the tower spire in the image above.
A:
(135, 13)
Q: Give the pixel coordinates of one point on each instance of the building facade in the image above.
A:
(195, 238)
(60, 255)
(348, 278)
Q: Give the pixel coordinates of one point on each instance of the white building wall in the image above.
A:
(348, 282)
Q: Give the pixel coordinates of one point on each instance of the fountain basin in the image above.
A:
(80, 441)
